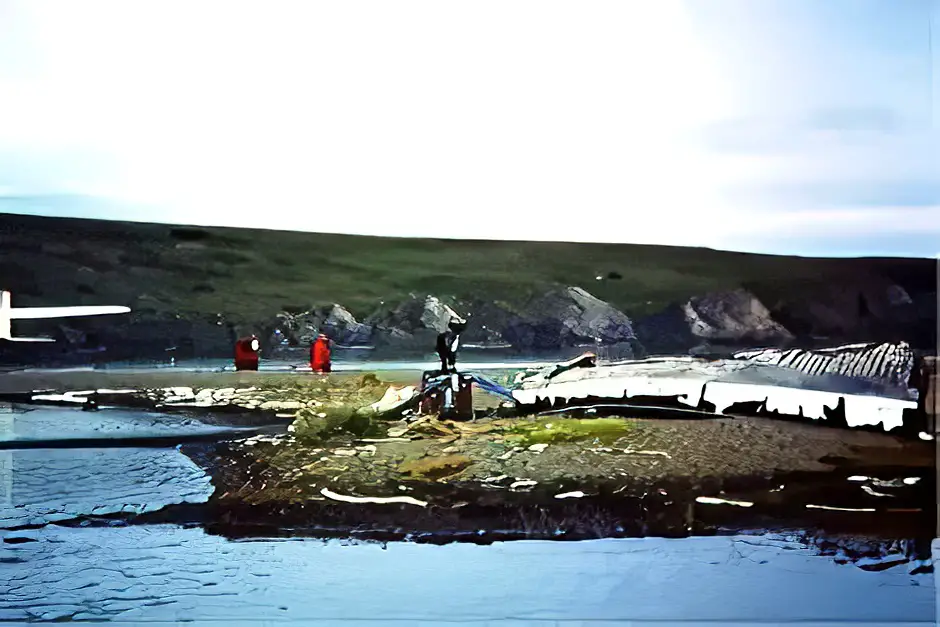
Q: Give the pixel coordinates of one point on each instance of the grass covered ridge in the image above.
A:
(250, 275)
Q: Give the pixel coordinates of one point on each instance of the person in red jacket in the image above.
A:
(320, 354)
(246, 353)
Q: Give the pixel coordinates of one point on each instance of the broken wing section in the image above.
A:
(9, 313)
(34, 313)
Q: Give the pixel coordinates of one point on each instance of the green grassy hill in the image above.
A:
(250, 275)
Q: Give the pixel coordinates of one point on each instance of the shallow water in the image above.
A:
(344, 360)
(56, 564)
(40, 486)
(169, 573)
(52, 423)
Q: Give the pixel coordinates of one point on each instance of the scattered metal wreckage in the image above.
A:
(864, 385)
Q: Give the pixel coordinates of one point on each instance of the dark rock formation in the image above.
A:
(559, 319)
(342, 327)
(856, 308)
(736, 316)
(486, 320)
(414, 323)
(725, 318)
(569, 317)
(300, 329)
(667, 332)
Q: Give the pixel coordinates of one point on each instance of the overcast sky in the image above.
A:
(783, 126)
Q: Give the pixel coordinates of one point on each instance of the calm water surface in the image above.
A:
(51, 569)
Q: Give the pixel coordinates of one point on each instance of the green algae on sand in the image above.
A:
(559, 429)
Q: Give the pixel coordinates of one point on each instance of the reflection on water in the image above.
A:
(48, 485)
(166, 572)
(47, 424)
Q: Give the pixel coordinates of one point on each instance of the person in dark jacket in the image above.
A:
(447, 344)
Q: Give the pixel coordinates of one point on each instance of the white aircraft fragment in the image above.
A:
(8, 313)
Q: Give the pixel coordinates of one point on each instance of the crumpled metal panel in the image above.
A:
(887, 363)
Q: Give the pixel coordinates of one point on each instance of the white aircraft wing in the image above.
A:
(29, 339)
(32, 313)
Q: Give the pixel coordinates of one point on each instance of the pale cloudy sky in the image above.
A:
(784, 126)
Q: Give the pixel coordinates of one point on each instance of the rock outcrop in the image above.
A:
(300, 329)
(415, 322)
(868, 308)
(558, 319)
(569, 317)
(735, 317)
(342, 327)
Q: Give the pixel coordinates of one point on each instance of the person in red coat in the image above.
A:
(320, 354)
(246, 353)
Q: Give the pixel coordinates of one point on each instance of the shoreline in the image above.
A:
(527, 477)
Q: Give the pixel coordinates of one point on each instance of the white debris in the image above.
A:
(841, 509)
(107, 391)
(372, 499)
(179, 392)
(538, 448)
(522, 483)
(711, 500)
(571, 495)
(870, 491)
(282, 405)
(923, 435)
(68, 397)
(495, 479)
(893, 483)
(630, 451)
(505, 455)
(394, 397)
(690, 380)
(366, 451)
(291, 428)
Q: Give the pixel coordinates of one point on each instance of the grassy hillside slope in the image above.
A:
(254, 274)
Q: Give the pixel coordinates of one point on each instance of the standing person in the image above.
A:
(320, 354)
(447, 344)
(247, 351)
